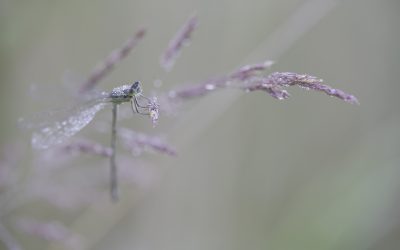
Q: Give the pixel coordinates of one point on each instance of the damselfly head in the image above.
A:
(136, 89)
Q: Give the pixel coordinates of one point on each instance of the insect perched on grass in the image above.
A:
(55, 127)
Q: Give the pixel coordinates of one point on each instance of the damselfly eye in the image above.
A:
(136, 88)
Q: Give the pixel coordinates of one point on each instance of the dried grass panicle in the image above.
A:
(249, 70)
(284, 79)
(181, 38)
(105, 67)
(138, 142)
(85, 147)
(242, 74)
(53, 231)
(250, 78)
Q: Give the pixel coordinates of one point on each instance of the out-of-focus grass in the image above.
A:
(308, 173)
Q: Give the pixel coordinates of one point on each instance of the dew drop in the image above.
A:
(172, 94)
(210, 86)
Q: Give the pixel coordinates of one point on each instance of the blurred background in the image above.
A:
(252, 172)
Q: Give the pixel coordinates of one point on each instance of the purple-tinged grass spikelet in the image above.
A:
(85, 147)
(53, 231)
(309, 82)
(261, 83)
(249, 78)
(249, 70)
(176, 44)
(240, 75)
(137, 142)
(189, 92)
(105, 67)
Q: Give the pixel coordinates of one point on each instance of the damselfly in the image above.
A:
(55, 127)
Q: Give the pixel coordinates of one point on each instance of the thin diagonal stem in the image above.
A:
(105, 67)
(113, 165)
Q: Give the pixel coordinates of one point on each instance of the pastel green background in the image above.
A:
(252, 172)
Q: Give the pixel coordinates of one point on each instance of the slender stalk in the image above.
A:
(104, 68)
(113, 165)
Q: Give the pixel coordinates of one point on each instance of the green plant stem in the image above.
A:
(113, 165)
